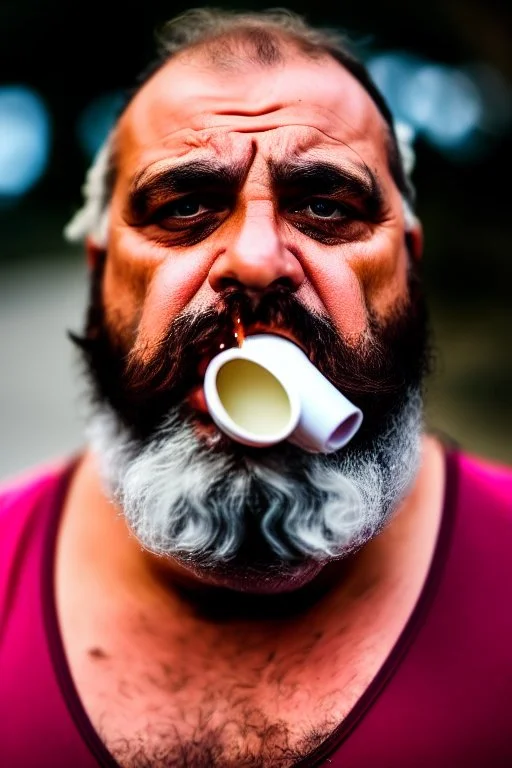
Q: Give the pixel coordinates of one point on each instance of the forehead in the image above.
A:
(191, 109)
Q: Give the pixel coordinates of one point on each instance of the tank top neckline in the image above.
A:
(340, 734)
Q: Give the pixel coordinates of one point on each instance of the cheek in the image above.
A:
(178, 282)
(341, 295)
(124, 286)
(382, 272)
(357, 279)
(146, 286)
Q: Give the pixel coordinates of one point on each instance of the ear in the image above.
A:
(414, 240)
(95, 253)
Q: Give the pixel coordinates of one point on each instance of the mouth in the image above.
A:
(196, 399)
(257, 328)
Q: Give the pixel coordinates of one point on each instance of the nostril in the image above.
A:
(228, 281)
(233, 268)
(284, 282)
(223, 283)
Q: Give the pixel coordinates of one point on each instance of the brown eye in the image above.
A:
(322, 208)
(186, 220)
(183, 209)
(327, 220)
(325, 209)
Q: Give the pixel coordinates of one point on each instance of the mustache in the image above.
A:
(373, 373)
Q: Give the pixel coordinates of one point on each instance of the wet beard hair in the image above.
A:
(221, 507)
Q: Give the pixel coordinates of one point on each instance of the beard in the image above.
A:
(190, 493)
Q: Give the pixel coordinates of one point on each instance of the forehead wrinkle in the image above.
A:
(307, 152)
(307, 142)
(349, 112)
(211, 145)
(204, 141)
(327, 120)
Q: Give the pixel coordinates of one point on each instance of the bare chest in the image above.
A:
(240, 704)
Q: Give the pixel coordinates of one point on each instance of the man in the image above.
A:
(171, 597)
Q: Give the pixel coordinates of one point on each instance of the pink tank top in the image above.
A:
(442, 699)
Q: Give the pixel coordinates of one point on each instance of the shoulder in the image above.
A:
(479, 514)
(19, 489)
(21, 495)
(27, 503)
(485, 480)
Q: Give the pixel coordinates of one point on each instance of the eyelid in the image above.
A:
(209, 202)
(310, 199)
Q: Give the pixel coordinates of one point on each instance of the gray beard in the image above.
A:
(186, 499)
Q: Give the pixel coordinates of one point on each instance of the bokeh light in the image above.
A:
(24, 140)
(443, 104)
(392, 72)
(496, 95)
(453, 108)
(95, 121)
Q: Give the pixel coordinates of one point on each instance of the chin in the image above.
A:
(274, 578)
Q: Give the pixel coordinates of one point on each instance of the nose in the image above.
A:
(255, 256)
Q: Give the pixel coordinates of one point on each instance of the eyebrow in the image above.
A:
(313, 177)
(305, 177)
(148, 188)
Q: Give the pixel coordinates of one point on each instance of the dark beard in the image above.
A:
(382, 375)
(375, 375)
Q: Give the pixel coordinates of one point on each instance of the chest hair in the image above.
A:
(225, 714)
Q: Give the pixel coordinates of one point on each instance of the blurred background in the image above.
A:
(446, 69)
